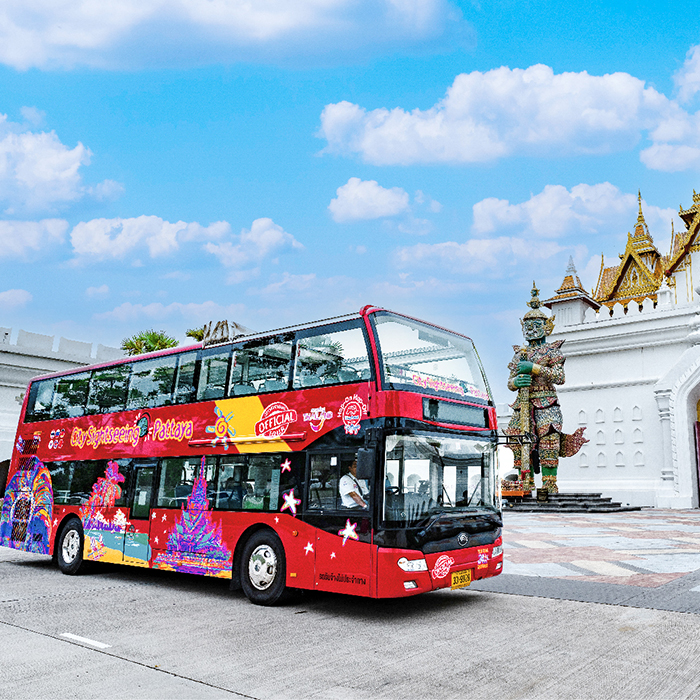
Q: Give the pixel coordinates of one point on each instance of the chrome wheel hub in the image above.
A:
(262, 567)
(70, 546)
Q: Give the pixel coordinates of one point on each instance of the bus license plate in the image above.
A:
(461, 578)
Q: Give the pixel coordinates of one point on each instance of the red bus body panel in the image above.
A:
(281, 422)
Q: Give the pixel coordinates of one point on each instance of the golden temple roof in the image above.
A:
(683, 241)
(639, 273)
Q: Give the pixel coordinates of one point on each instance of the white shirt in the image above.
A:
(349, 483)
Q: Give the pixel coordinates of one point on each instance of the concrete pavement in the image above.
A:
(121, 632)
(648, 558)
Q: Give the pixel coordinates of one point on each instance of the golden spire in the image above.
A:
(640, 216)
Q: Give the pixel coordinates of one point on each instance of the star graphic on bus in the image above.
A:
(155, 539)
(348, 532)
(332, 555)
(290, 502)
(222, 428)
(153, 517)
(286, 466)
(276, 519)
(164, 518)
(309, 548)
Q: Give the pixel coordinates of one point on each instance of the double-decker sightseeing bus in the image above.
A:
(354, 455)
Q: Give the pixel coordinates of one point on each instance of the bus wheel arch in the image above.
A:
(68, 545)
(261, 566)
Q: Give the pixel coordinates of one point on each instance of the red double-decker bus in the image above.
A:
(355, 455)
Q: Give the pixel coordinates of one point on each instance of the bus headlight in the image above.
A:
(412, 564)
(496, 552)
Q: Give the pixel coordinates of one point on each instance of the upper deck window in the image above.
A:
(425, 359)
(70, 395)
(151, 382)
(261, 365)
(331, 356)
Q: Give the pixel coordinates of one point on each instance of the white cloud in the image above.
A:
(47, 33)
(103, 239)
(36, 169)
(33, 115)
(39, 172)
(193, 313)
(17, 238)
(106, 190)
(557, 212)
(263, 240)
(687, 79)
(490, 255)
(291, 283)
(95, 292)
(502, 112)
(14, 299)
(367, 199)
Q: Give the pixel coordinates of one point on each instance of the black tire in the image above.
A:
(69, 547)
(263, 568)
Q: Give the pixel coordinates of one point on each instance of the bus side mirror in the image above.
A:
(366, 462)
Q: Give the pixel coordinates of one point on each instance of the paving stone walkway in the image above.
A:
(648, 558)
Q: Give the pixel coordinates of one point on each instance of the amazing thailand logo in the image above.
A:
(316, 417)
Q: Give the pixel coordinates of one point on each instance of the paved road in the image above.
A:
(144, 634)
(648, 559)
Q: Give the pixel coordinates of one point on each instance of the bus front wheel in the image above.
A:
(263, 568)
(69, 547)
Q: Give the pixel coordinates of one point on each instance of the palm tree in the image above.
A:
(147, 341)
(196, 333)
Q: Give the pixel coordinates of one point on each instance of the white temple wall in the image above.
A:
(32, 355)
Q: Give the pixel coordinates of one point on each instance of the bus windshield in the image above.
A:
(428, 473)
(419, 357)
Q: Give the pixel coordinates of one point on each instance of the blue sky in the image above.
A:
(166, 164)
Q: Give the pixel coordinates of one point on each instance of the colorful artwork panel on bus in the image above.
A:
(27, 510)
(195, 544)
(104, 525)
(105, 493)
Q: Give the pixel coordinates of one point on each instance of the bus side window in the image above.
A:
(185, 379)
(176, 481)
(231, 486)
(108, 388)
(267, 484)
(331, 358)
(323, 485)
(70, 396)
(212, 375)
(85, 475)
(39, 402)
(61, 473)
(151, 383)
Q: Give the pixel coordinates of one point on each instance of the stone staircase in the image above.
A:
(564, 503)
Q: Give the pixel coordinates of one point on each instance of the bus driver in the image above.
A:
(353, 492)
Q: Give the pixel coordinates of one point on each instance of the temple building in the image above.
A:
(633, 371)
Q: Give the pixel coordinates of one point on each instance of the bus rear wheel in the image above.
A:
(263, 568)
(69, 547)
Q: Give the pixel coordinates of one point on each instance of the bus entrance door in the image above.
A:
(137, 549)
(343, 536)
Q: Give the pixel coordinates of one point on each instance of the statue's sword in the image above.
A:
(524, 400)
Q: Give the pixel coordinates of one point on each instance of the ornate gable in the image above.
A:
(639, 273)
(685, 242)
